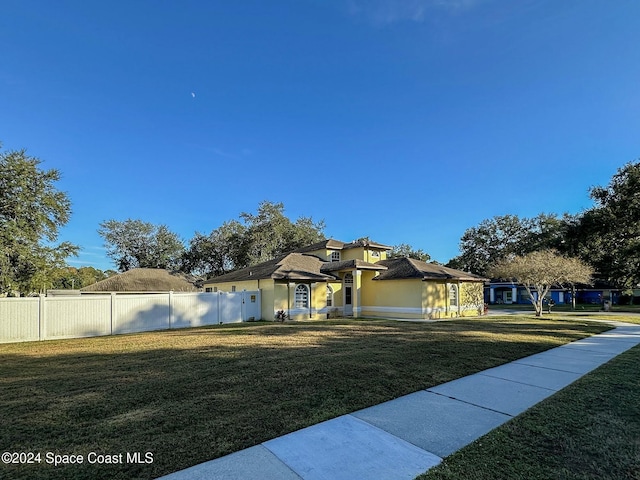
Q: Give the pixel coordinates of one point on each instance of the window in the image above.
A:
(233, 288)
(453, 296)
(215, 289)
(375, 253)
(329, 296)
(208, 289)
(335, 256)
(302, 296)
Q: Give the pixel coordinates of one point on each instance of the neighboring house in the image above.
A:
(356, 279)
(508, 293)
(142, 280)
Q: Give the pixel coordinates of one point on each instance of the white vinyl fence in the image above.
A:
(48, 318)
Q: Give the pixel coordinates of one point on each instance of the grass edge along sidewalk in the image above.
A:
(588, 430)
(193, 395)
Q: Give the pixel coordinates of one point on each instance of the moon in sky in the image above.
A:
(193, 95)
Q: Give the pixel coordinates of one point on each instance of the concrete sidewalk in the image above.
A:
(403, 438)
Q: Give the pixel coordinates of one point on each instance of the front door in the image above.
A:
(348, 294)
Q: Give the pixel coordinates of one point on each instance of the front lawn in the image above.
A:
(187, 396)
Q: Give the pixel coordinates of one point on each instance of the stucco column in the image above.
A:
(492, 295)
(514, 295)
(356, 296)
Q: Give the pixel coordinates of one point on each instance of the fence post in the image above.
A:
(113, 312)
(41, 316)
(170, 308)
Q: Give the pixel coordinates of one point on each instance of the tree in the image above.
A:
(406, 250)
(32, 210)
(257, 238)
(138, 244)
(269, 233)
(507, 235)
(539, 271)
(217, 253)
(77, 278)
(608, 235)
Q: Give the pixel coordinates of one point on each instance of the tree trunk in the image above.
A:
(538, 305)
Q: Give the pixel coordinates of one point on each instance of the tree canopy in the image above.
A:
(539, 271)
(406, 250)
(255, 238)
(608, 234)
(507, 235)
(32, 210)
(137, 244)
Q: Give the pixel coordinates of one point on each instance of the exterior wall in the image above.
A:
(414, 298)
(435, 300)
(324, 253)
(317, 309)
(336, 308)
(471, 299)
(391, 298)
(358, 253)
(240, 285)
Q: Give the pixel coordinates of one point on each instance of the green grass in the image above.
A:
(587, 431)
(189, 396)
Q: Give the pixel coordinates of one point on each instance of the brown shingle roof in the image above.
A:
(142, 280)
(294, 266)
(338, 245)
(403, 267)
(351, 264)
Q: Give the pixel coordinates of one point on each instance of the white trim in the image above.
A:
(408, 310)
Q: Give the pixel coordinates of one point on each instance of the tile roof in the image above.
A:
(404, 267)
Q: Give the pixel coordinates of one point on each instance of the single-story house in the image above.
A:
(332, 278)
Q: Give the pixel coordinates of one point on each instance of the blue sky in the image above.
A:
(405, 121)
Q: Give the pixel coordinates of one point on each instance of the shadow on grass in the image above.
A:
(189, 396)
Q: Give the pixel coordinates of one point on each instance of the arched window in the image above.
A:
(302, 296)
(329, 296)
(453, 295)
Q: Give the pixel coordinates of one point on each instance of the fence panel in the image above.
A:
(19, 319)
(87, 316)
(230, 307)
(194, 310)
(141, 313)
